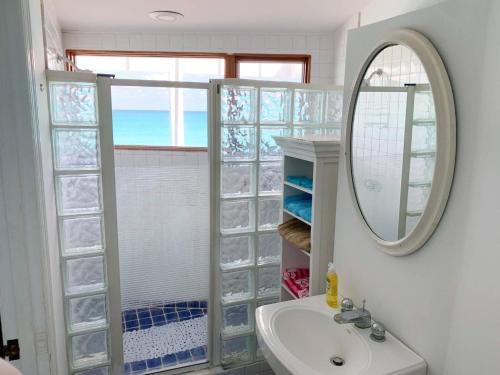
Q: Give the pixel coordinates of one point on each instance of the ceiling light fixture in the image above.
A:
(166, 15)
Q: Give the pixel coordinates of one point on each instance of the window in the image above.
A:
(271, 71)
(177, 117)
(285, 68)
(190, 69)
(194, 67)
(159, 117)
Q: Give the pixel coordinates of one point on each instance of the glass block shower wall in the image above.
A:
(77, 169)
(250, 198)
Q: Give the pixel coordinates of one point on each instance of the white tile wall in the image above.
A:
(319, 45)
(53, 35)
(339, 49)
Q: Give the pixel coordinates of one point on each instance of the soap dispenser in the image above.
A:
(332, 298)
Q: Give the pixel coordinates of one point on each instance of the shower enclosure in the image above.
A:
(166, 251)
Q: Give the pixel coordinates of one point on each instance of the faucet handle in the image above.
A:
(346, 304)
(378, 332)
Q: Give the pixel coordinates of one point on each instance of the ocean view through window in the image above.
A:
(129, 128)
(158, 117)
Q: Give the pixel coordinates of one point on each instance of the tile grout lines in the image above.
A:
(144, 318)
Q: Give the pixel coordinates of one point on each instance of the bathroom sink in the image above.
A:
(301, 338)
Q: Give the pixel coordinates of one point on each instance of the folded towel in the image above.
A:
(296, 273)
(297, 198)
(300, 205)
(305, 212)
(297, 281)
(303, 181)
(297, 233)
(299, 288)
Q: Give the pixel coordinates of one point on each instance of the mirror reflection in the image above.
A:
(393, 143)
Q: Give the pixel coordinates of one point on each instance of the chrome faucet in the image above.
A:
(360, 317)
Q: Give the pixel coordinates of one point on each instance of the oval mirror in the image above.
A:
(401, 141)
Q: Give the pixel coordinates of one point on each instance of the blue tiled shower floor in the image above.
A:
(146, 318)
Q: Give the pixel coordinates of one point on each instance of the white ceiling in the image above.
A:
(205, 15)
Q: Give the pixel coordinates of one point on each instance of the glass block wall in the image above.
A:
(77, 170)
(250, 198)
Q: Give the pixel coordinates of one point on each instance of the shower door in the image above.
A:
(247, 197)
(155, 140)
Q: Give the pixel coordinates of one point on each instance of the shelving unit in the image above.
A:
(315, 157)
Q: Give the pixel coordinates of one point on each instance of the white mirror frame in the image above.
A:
(446, 139)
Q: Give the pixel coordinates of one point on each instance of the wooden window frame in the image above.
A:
(231, 60)
(231, 63)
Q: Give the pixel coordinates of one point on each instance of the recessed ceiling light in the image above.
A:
(166, 15)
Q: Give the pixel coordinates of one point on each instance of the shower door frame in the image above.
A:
(104, 85)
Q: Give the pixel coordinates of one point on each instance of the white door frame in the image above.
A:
(23, 263)
(104, 85)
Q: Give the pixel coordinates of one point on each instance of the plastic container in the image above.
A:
(332, 296)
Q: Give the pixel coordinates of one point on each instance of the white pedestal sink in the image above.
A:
(300, 338)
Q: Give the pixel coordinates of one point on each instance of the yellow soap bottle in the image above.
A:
(332, 298)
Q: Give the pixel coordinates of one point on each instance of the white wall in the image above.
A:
(473, 334)
(319, 46)
(53, 35)
(442, 300)
(377, 10)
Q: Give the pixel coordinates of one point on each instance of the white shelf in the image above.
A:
(299, 250)
(298, 187)
(285, 288)
(296, 216)
(306, 253)
(315, 158)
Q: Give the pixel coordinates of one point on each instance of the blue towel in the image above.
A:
(300, 205)
(306, 213)
(298, 197)
(303, 181)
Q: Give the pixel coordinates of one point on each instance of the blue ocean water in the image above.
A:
(152, 128)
